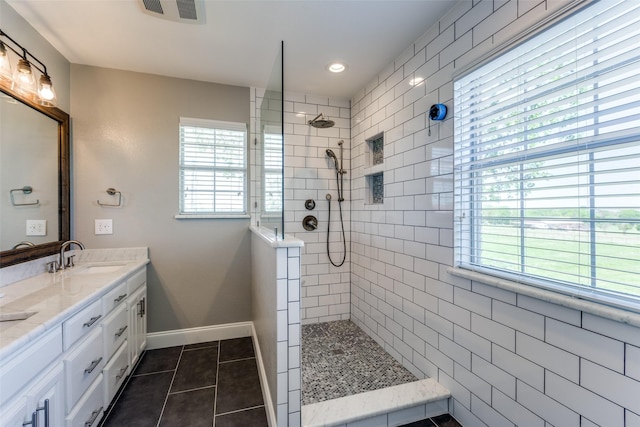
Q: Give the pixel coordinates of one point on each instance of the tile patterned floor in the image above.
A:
(445, 420)
(206, 384)
(339, 359)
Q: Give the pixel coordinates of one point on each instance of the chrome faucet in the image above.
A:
(69, 263)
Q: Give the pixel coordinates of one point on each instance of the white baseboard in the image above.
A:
(215, 333)
(266, 395)
(202, 334)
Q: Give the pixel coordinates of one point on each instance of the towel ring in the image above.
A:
(112, 192)
(27, 189)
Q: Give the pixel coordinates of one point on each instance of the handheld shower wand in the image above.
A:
(332, 155)
(340, 184)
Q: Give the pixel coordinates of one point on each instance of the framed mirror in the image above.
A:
(35, 179)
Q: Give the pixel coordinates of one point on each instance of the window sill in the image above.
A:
(188, 216)
(569, 301)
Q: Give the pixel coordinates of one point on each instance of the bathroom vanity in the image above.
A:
(84, 330)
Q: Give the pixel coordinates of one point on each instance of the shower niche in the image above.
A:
(374, 169)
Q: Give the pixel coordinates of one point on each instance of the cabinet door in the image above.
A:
(137, 324)
(141, 329)
(46, 396)
(14, 413)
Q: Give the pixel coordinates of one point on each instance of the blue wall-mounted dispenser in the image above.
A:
(437, 112)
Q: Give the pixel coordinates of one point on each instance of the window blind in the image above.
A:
(272, 153)
(547, 158)
(213, 167)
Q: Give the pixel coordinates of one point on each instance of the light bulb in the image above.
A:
(23, 79)
(5, 65)
(45, 92)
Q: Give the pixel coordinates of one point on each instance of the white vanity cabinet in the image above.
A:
(68, 375)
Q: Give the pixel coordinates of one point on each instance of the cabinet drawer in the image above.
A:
(19, 370)
(89, 410)
(115, 330)
(83, 365)
(81, 323)
(135, 281)
(115, 373)
(114, 298)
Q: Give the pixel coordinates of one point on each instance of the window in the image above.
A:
(213, 168)
(547, 156)
(272, 152)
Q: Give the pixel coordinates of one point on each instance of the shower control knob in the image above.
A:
(310, 223)
(310, 204)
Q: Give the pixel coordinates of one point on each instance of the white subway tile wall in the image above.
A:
(288, 394)
(309, 174)
(508, 359)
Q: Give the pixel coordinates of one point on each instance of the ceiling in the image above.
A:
(239, 40)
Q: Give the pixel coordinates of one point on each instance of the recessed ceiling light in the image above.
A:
(336, 67)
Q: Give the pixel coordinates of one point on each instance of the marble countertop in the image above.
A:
(56, 296)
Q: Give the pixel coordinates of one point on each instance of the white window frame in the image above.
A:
(215, 212)
(473, 171)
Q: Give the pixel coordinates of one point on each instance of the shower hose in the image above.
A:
(344, 239)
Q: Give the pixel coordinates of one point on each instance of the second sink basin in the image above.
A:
(99, 269)
(15, 315)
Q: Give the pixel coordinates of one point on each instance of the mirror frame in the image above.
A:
(16, 256)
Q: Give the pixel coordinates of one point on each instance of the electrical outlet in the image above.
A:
(104, 226)
(36, 227)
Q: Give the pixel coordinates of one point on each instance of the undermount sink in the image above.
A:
(15, 315)
(97, 269)
(100, 269)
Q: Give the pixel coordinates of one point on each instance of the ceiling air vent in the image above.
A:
(187, 11)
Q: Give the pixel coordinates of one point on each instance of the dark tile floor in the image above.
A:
(206, 384)
(445, 420)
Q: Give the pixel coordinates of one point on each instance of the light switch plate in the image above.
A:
(103, 226)
(36, 227)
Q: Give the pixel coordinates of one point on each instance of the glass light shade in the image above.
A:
(46, 94)
(5, 65)
(24, 81)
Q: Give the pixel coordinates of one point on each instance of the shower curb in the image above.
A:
(400, 404)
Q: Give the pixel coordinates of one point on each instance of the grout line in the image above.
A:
(237, 360)
(164, 405)
(200, 348)
(153, 373)
(193, 389)
(215, 395)
(241, 410)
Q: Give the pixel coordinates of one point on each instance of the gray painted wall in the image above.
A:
(125, 135)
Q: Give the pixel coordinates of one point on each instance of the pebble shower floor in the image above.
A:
(339, 359)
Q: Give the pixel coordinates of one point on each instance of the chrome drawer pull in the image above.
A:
(34, 420)
(121, 331)
(93, 417)
(92, 321)
(45, 408)
(120, 298)
(92, 366)
(121, 373)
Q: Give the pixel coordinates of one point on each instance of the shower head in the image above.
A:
(321, 122)
(332, 155)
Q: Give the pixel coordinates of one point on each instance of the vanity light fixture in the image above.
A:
(23, 79)
(5, 65)
(336, 67)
